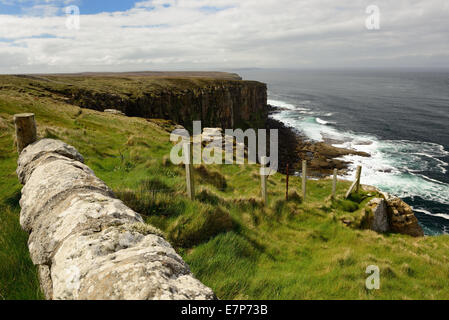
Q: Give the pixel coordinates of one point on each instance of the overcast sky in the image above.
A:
(220, 34)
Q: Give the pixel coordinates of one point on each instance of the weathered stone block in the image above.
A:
(379, 222)
(88, 244)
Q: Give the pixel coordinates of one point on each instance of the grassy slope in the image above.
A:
(231, 242)
(121, 85)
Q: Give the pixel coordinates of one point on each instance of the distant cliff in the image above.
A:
(221, 100)
(226, 104)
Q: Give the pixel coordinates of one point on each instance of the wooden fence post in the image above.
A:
(188, 159)
(286, 186)
(263, 180)
(304, 180)
(26, 132)
(356, 184)
(334, 184)
(357, 178)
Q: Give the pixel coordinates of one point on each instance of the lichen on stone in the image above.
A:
(142, 228)
(87, 243)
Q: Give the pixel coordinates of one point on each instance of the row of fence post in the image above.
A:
(355, 187)
(187, 149)
(26, 134)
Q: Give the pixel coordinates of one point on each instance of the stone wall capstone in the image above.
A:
(86, 243)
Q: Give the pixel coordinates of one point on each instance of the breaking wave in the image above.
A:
(400, 167)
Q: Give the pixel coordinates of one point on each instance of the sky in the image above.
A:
(39, 36)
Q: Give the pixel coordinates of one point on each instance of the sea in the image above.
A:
(400, 117)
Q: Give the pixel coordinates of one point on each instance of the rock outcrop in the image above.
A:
(87, 243)
(321, 157)
(391, 214)
(402, 219)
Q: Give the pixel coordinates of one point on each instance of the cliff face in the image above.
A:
(226, 104)
(217, 99)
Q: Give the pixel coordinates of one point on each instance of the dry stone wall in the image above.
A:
(86, 243)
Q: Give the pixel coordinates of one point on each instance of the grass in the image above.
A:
(18, 276)
(232, 242)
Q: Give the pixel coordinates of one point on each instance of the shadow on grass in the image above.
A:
(13, 200)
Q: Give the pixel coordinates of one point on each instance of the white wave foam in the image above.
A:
(441, 215)
(321, 121)
(394, 164)
(281, 104)
(393, 173)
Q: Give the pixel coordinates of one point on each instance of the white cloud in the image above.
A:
(220, 34)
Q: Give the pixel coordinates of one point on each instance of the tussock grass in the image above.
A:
(211, 177)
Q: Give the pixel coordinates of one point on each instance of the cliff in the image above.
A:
(218, 100)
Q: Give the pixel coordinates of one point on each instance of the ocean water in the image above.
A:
(400, 117)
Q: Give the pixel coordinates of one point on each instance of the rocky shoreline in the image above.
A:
(294, 147)
(386, 214)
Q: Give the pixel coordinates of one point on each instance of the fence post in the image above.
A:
(356, 184)
(357, 177)
(187, 150)
(25, 130)
(304, 180)
(286, 186)
(263, 180)
(334, 184)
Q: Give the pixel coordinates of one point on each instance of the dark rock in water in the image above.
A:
(294, 147)
(272, 109)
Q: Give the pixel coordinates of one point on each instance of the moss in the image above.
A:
(345, 205)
